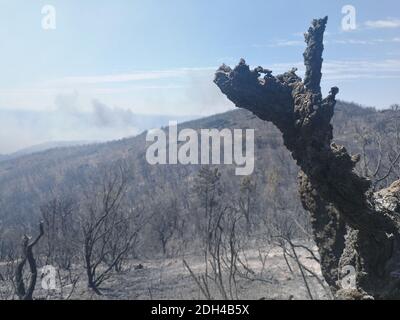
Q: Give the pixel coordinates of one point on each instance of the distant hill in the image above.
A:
(28, 180)
(103, 123)
(43, 147)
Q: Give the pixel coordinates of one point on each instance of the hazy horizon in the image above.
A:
(101, 64)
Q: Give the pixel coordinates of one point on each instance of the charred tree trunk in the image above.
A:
(352, 225)
(23, 292)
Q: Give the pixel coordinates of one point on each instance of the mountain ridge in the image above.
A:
(28, 180)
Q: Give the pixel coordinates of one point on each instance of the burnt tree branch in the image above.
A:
(330, 189)
(23, 292)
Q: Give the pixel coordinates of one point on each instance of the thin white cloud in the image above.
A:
(352, 41)
(129, 77)
(188, 91)
(383, 24)
(281, 43)
(288, 43)
(349, 69)
(362, 41)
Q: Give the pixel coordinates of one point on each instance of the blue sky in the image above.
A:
(158, 56)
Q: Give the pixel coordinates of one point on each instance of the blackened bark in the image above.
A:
(330, 190)
(26, 293)
(329, 230)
